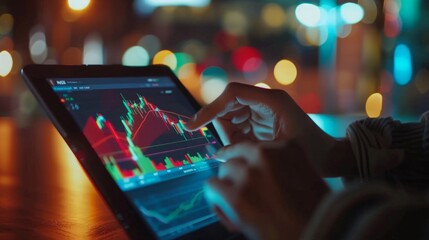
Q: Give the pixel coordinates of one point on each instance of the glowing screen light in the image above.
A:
(135, 56)
(285, 72)
(402, 65)
(308, 14)
(351, 13)
(6, 63)
(374, 105)
(78, 5)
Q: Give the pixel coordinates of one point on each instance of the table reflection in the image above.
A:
(44, 192)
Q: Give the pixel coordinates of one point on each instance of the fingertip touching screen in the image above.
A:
(136, 127)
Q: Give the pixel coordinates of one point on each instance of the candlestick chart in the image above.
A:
(138, 134)
(145, 139)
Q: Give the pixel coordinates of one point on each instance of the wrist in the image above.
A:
(339, 159)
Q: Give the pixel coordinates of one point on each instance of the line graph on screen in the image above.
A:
(148, 139)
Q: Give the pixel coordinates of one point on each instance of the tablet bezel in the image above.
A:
(125, 212)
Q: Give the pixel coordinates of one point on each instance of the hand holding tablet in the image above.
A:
(126, 127)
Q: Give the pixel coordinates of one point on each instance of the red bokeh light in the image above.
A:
(246, 59)
(225, 41)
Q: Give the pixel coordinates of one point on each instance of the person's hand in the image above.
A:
(265, 190)
(244, 112)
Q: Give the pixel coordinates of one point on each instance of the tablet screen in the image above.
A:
(135, 125)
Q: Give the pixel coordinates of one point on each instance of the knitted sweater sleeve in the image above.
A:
(390, 150)
(393, 152)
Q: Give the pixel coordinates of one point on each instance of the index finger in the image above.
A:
(235, 93)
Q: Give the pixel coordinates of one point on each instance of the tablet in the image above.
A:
(125, 126)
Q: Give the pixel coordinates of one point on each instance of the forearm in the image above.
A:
(339, 160)
(331, 157)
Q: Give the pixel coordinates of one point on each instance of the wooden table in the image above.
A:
(44, 193)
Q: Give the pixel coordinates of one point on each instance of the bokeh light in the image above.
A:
(263, 85)
(211, 89)
(374, 105)
(285, 72)
(235, 22)
(422, 81)
(273, 15)
(6, 23)
(147, 6)
(6, 63)
(190, 78)
(37, 45)
(392, 22)
(188, 72)
(344, 31)
(182, 59)
(165, 57)
(402, 65)
(151, 43)
(93, 50)
(316, 36)
(213, 73)
(136, 56)
(259, 75)
(308, 14)
(370, 9)
(392, 25)
(246, 59)
(78, 5)
(351, 13)
(196, 49)
(391, 6)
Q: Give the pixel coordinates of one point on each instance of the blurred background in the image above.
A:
(364, 58)
(340, 61)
